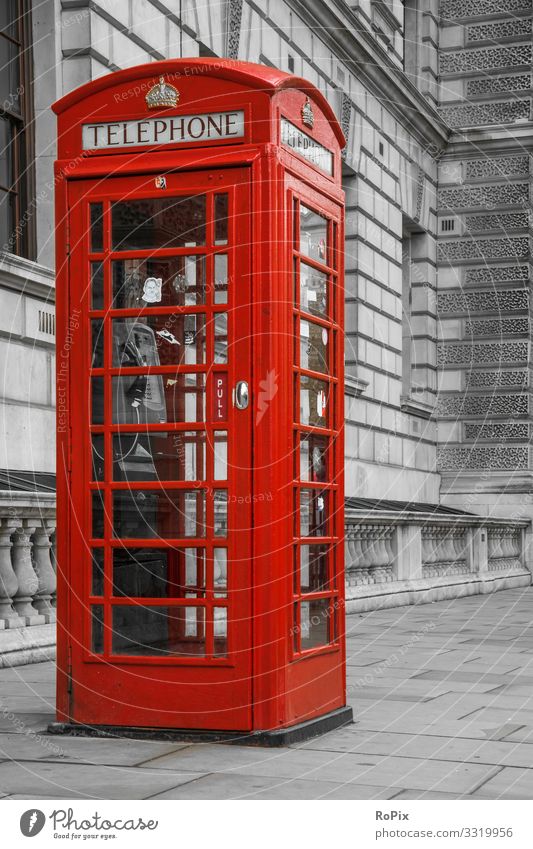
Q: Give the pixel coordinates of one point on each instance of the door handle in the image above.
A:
(241, 395)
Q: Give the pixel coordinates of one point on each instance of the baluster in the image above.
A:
(490, 543)
(358, 548)
(515, 545)
(44, 571)
(8, 579)
(426, 547)
(381, 556)
(28, 583)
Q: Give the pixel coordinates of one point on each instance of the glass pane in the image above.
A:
(98, 470)
(97, 286)
(220, 572)
(220, 628)
(313, 513)
(159, 340)
(221, 219)
(97, 628)
(97, 332)
(313, 234)
(10, 88)
(221, 512)
(221, 337)
(177, 222)
(97, 227)
(6, 152)
(157, 398)
(97, 400)
(97, 583)
(159, 631)
(313, 401)
(144, 514)
(313, 457)
(313, 568)
(221, 455)
(9, 18)
(315, 623)
(313, 290)
(178, 456)
(313, 347)
(8, 236)
(159, 282)
(98, 511)
(221, 279)
(159, 572)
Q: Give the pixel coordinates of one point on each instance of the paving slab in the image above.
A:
(490, 752)
(332, 766)
(441, 712)
(51, 747)
(509, 783)
(21, 722)
(218, 786)
(86, 781)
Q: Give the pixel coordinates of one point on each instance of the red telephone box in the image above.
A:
(200, 404)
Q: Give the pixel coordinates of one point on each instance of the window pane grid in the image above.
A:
(315, 389)
(162, 627)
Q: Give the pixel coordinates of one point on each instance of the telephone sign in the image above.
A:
(200, 461)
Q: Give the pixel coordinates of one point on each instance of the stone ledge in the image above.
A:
(33, 644)
(401, 593)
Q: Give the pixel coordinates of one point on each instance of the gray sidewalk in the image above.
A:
(443, 701)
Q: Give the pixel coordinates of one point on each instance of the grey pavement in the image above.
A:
(443, 702)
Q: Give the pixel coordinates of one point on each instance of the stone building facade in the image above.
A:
(484, 256)
(435, 105)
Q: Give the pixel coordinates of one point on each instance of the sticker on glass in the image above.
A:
(152, 290)
(321, 403)
(168, 336)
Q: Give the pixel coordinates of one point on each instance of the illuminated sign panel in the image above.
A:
(307, 147)
(177, 129)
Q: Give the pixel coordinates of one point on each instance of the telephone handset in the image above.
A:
(141, 398)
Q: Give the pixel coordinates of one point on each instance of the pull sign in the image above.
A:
(241, 395)
(220, 397)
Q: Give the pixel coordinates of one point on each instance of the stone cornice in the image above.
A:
(26, 276)
(517, 138)
(345, 35)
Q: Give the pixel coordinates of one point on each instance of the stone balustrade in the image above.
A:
(27, 576)
(392, 558)
(395, 558)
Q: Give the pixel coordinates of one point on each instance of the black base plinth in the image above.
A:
(279, 737)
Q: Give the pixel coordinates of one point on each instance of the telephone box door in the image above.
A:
(160, 451)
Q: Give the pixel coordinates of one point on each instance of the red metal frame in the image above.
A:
(269, 678)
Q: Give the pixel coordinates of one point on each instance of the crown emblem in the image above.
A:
(162, 95)
(308, 116)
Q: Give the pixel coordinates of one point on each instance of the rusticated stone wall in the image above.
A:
(484, 252)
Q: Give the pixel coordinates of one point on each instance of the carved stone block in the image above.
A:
(479, 458)
(487, 59)
(494, 300)
(451, 10)
(496, 326)
(516, 404)
(497, 166)
(498, 274)
(480, 114)
(471, 248)
(464, 197)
